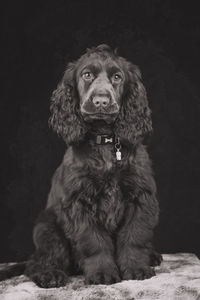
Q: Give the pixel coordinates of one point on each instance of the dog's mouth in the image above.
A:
(107, 117)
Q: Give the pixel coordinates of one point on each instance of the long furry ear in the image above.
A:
(134, 120)
(65, 119)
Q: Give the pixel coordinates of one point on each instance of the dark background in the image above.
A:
(39, 38)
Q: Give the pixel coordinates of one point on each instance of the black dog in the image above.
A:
(102, 206)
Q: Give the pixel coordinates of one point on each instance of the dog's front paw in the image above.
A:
(155, 258)
(138, 273)
(50, 278)
(105, 276)
(101, 270)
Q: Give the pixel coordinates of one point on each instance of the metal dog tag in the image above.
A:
(118, 148)
(118, 155)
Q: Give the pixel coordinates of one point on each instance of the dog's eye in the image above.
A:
(87, 76)
(117, 77)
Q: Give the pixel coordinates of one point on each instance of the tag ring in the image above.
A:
(117, 146)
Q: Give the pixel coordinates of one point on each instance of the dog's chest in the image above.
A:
(110, 202)
(102, 160)
(103, 174)
(110, 205)
(107, 159)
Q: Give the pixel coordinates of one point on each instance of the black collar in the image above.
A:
(105, 139)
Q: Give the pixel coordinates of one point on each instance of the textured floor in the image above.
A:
(178, 277)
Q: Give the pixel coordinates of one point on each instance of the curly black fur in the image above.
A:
(101, 212)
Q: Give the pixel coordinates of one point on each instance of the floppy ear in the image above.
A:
(65, 119)
(134, 120)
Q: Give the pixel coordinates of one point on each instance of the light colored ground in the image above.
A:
(178, 278)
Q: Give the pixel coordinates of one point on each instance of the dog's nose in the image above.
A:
(101, 101)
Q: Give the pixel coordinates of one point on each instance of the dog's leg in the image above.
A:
(49, 265)
(133, 239)
(96, 255)
(79, 216)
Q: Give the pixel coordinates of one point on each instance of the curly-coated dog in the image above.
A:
(102, 206)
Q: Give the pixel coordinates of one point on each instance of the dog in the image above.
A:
(102, 207)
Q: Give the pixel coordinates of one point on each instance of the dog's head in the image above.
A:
(100, 85)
